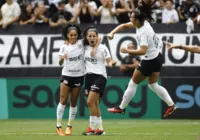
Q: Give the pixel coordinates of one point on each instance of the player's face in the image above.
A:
(92, 38)
(133, 20)
(72, 36)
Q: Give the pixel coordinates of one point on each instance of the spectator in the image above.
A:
(169, 14)
(187, 10)
(61, 17)
(85, 12)
(107, 12)
(129, 63)
(123, 10)
(27, 16)
(72, 7)
(41, 14)
(10, 13)
(49, 2)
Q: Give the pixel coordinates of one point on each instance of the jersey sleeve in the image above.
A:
(106, 53)
(144, 39)
(61, 52)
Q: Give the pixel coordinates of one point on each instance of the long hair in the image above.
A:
(66, 29)
(88, 29)
(146, 10)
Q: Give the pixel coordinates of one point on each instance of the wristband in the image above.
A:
(181, 47)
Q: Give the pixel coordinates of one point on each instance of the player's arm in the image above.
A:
(141, 51)
(62, 56)
(111, 63)
(190, 48)
(120, 28)
(92, 53)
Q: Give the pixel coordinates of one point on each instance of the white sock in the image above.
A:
(72, 114)
(93, 120)
(99, 124)
(60, 112)
(128, 94)
(162, 93)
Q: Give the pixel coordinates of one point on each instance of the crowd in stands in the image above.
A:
(60, 12)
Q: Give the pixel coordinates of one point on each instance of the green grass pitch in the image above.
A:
(115, 130)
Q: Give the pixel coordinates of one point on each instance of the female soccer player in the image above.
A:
(95, 79)
(71, 55)
(151, 62)
(190, 48)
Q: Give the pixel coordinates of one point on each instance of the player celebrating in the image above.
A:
(151, 62)
(95, 79)
(72, 77)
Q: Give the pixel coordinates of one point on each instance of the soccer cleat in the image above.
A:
(170, 110)
(60, 131)
(88, 132)
(116, 110)
(68, 130)
(99, 132)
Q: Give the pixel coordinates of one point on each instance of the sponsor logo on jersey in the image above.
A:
(92, 60)
(77, 58)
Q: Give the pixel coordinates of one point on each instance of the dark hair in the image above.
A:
(69, 27)
(88, 29)
(144, 12)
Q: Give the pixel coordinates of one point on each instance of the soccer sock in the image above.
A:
(162, 93)
(72, 115)
(128, 94)
(60, 111)
(99, 124)
(93, 120)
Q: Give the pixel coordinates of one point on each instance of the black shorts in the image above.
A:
(147, 67)
(72, 82)
(95, 83)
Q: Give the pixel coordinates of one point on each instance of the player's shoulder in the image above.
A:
(102, 46)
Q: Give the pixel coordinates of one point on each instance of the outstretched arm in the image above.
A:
(120, 28)
(190, 48)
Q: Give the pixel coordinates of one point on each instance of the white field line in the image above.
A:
(111, 134)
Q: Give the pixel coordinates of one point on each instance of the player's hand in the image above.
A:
(171, 45)
(92, 53)
(110, 36)
(65, 56)
(112, 63)
(123, 50)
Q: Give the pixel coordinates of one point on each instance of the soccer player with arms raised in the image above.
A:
(152, 60)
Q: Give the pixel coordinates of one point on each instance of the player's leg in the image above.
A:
(129, 93)
(161, 92)
(73, 109)
(64, 92)
(76, 84)
(91, 102)
(99, 124)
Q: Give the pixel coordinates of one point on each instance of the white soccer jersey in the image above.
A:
(147, 37)
(96, 64)
(74, 64)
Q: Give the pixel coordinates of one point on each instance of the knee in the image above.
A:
(63, 100)
(90, 103)
(153, 86)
